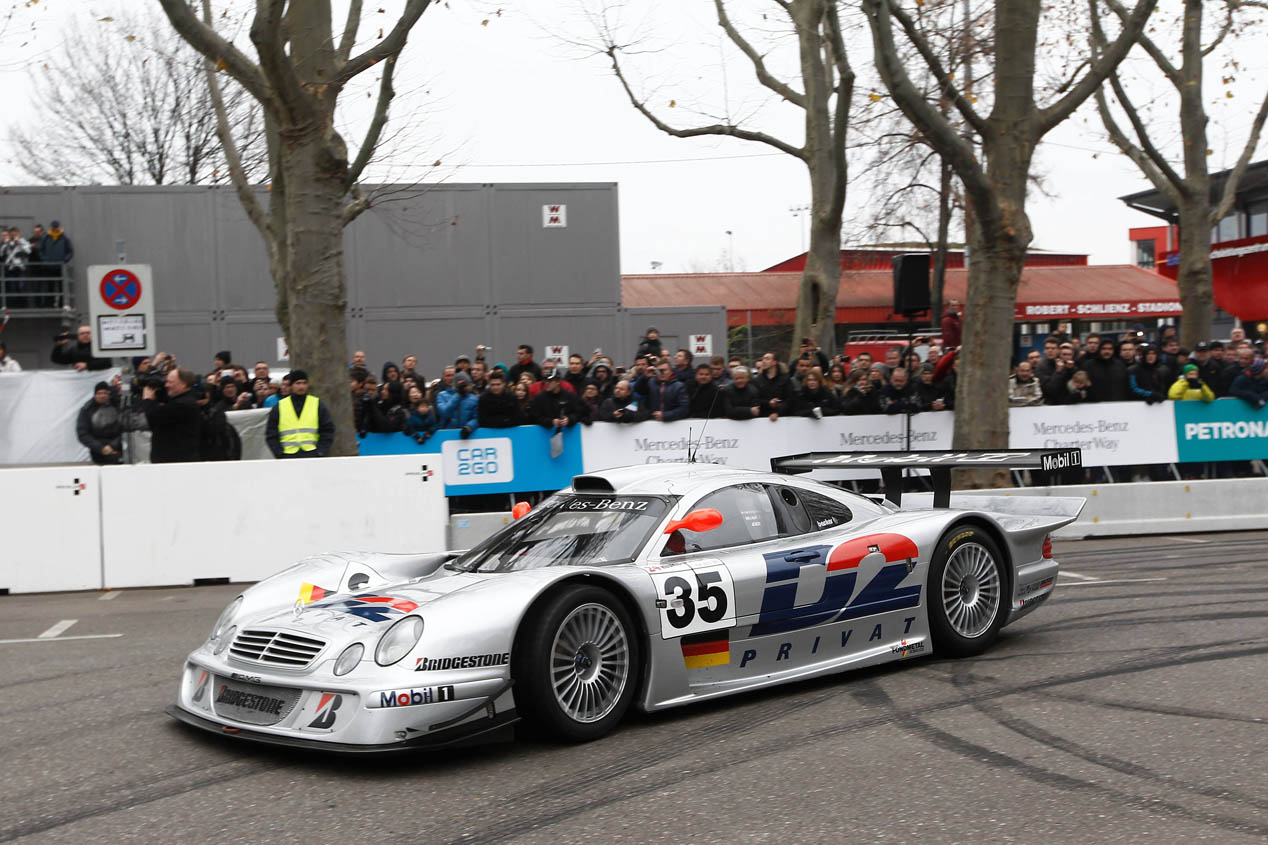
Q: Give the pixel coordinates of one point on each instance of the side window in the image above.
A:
(823, 511)
(793, 519)
(747, 517)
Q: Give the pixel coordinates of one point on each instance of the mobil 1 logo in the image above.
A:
(1063, 459)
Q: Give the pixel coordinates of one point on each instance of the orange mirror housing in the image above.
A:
(705, 519)
(521, 509)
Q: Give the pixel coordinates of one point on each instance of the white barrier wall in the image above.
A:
(174, 523)
(38, 411)
(1148, 507)
(50, 529)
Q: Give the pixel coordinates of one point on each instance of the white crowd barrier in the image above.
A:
(50, 529)
(38, 411)
(168, 524)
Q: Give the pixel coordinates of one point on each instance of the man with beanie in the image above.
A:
(299, 426)
(100, 426)
(1252, 384)
(1190, 386)
(1108, 372)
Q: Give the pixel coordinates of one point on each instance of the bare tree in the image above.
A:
(825, 96)
(1190, 192)
(994, 183)
(302, 67)
(125, 102)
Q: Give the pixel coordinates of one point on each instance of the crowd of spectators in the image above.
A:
(31, 268)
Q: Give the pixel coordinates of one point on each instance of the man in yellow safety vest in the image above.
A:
(299, 426)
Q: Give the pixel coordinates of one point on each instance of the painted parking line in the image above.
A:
(62, 639)
(113, 594)
(1068, 574)
(59, 628)
(1110, 581)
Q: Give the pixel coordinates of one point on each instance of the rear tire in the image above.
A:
(967, 592)
(576, 666)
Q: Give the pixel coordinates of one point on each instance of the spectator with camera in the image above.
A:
(175, 420)
(1189, 386)
(77, 353)
(299, 426)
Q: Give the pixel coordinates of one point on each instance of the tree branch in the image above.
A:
(208, 42)
(1133, 26)
(764, 76)
(917, 38)
(1234, 178)
(389, 46)
(266, 35)
(1147, 44)
(371, 140)
(349, 37)
(695, 132)
(845, 99)
(924, 116)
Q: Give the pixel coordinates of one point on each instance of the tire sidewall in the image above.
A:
(530, 664)
(945, 638)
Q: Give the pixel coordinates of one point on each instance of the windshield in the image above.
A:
(570, 529)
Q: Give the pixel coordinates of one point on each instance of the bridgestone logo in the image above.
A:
(470, 661)
(251, 701)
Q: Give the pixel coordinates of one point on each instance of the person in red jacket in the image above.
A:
(952, 324)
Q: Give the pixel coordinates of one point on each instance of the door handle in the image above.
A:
(800, 557)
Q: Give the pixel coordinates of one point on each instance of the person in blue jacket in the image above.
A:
(462, 409)
(1251, 384)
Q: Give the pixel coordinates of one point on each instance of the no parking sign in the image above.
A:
(121, 309)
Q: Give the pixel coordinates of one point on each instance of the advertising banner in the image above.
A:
(492, 460)
(1109, 433)
(1223, 430)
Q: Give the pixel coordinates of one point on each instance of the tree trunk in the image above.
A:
(983, 362)
(817, 295)
(1197, 297)
(940, 248)
(316, 292)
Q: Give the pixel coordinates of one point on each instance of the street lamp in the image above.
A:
(797, 211)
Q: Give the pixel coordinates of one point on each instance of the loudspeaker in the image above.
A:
(911, 283)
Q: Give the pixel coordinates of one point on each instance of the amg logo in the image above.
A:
(1062, 460)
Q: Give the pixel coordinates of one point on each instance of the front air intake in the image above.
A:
(276, 648)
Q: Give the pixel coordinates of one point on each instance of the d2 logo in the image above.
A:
(847, 594)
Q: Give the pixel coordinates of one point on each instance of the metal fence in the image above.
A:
(38, 289)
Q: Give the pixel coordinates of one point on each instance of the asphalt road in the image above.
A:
(1132, 707)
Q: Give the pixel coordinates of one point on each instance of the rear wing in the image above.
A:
(939, 464)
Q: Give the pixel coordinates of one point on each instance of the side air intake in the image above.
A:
(592, 484)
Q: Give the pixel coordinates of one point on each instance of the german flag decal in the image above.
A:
(309, 593)
(700, 651)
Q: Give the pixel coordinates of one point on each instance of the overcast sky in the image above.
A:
(509, 102)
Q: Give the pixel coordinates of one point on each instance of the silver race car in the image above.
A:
(648, 586)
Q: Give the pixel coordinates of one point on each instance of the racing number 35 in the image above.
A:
(695, 600)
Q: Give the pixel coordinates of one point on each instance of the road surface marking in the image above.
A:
(1110, 581)
(1188, 539)
(1067, 574)
(43, 639)
(57, 629)
(109, 596)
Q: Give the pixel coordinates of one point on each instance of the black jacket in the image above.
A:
(608, 408)
(703, 401)
(546, 407)
(737, 403)
(100, 426)
(823, 399)
(72, 352)
(498, 411)
(176, 426)
(1109, 380)
(856, 402)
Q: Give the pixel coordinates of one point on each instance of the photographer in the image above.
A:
(79, 353)
(175, 420)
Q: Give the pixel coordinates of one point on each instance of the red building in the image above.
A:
(881, 256)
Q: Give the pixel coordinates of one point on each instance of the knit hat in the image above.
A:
(297, 375)
(101, 385)
(1188, 367)
(461, 377)
(1257, 366)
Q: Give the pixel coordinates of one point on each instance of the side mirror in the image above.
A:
(705, 519)
(520, 510)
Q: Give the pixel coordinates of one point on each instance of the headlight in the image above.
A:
(349, 659)
(226, 639)
(398, 640)
(226, 618)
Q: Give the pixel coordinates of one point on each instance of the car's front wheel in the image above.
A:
(967, 592)
(577, 663)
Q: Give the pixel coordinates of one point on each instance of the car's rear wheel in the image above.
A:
(967, 587)
(577, 663)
